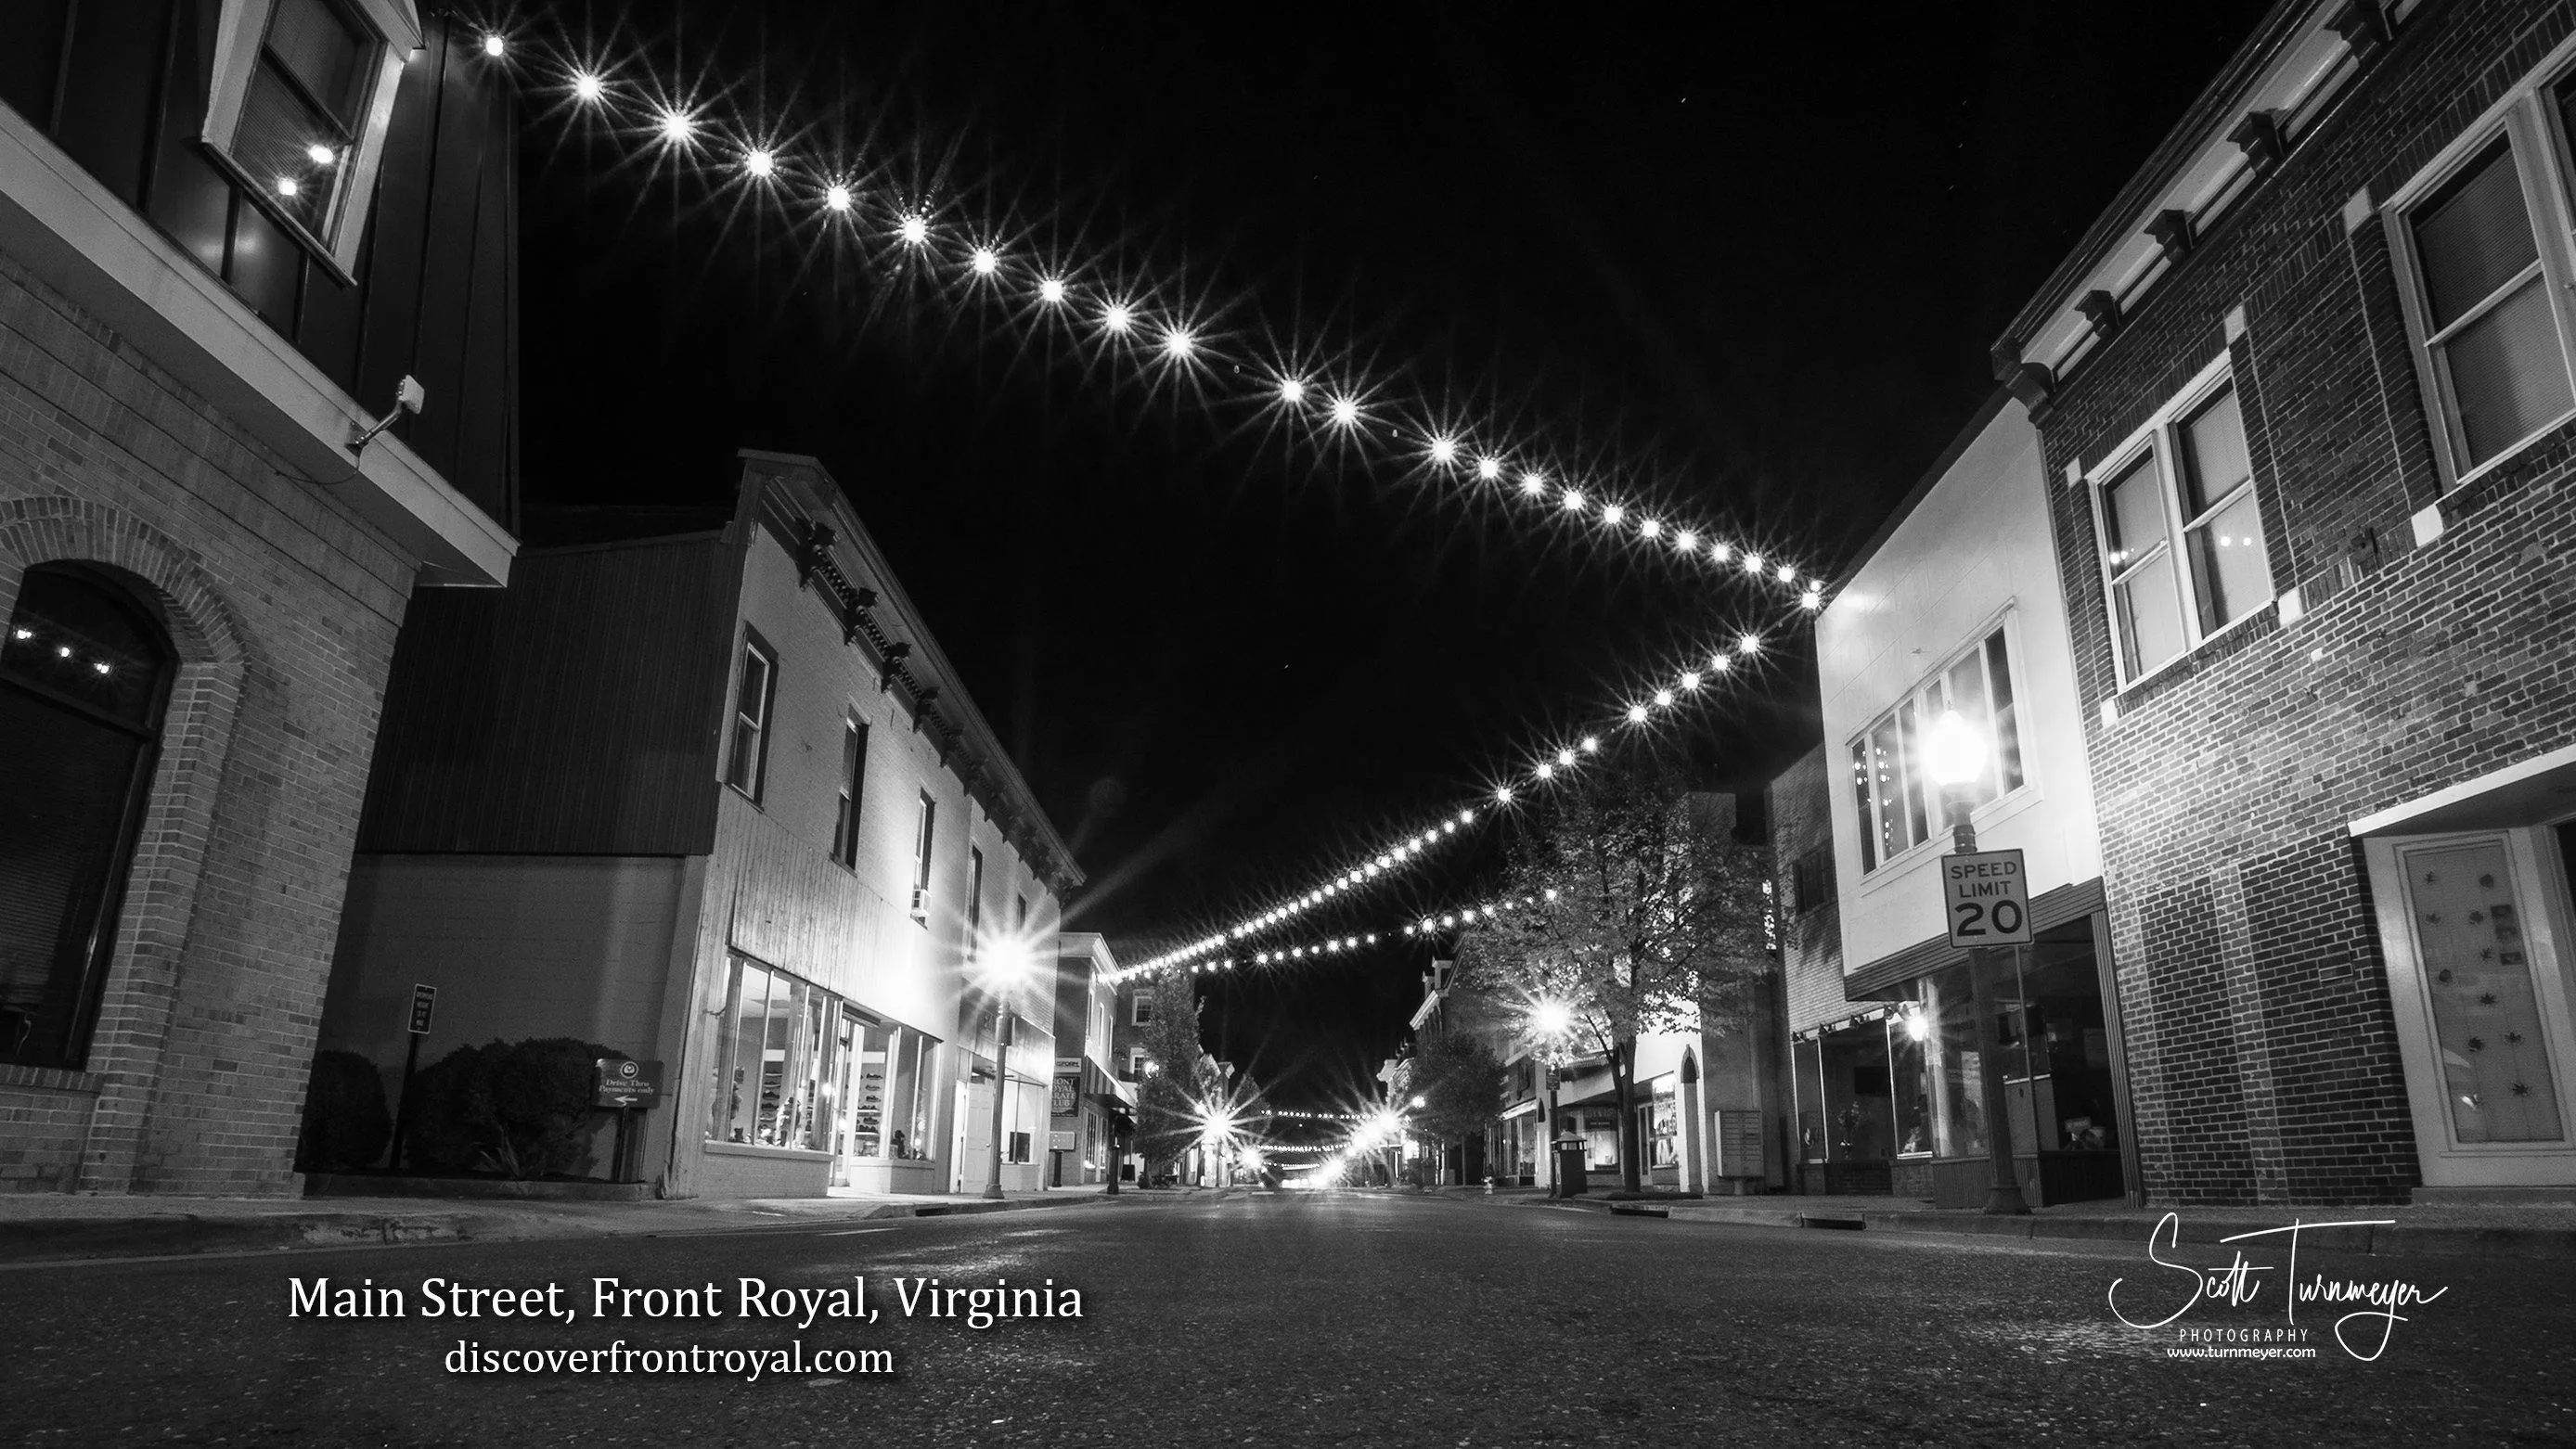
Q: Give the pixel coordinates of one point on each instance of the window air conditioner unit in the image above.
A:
(921, 903)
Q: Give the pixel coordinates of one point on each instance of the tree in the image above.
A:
(1628, 902)
(1459, 1078)
(1169, 1104)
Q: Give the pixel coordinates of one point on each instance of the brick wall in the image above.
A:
(283, 607)
(2262, 1047)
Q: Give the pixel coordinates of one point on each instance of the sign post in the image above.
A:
(424, 1006)
(626, 1086)
(1985, 898)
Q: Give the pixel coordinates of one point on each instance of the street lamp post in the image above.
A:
(1954, 754)
(1549, 1022)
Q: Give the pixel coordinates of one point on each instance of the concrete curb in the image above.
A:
(2424, 1240)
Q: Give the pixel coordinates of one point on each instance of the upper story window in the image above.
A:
(854, 773)
(2183, 554)
(1811, 879)
(974, 898)
(925, 829)
(302, 91)
(2486, 259)
(755, 693)
(1143, 1011)
(1899, 807)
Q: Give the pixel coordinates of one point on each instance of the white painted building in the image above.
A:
(715, 799)
(1957, 606)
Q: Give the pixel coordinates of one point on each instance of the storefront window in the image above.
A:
(1662, 1122)
(868, 1108)
(771, 1074)
(1952, 1065)
(908, 1104)
(1909, 1056)
(1859, 1116)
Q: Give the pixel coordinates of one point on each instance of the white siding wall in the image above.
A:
(1976, 550)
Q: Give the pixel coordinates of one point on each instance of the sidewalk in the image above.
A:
(55, 1227)
(2493, 1230)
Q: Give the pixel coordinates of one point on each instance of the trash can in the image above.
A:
(1571, 1153)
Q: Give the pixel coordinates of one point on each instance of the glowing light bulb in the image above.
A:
(1051, 291)
(1719, 663)
(1489, 469)
(1177, 342)
(985, 261)
(914, 231)
(1444, 450)
(1533, 484)
(1748, 645)
(1718, 551)
(1636, 714)
(286, 186)
(1346, 412)
(1788, 575)
(838, 198)
(1613, 515)
(1663, 699)
(677, 127)
(1811, 600)
(587, 87)
(1690, 679)
(1546, 770)
(1686, 540)
(761, 161)
(1753, 563)
(1574, 500)
(320, 155)
(1565, 758)
(1591, 744)
(1649, 528)
(494, 46)
(1118, 318)
(1502, 794)
(1466, 817)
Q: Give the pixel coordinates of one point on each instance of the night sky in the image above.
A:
(1753, 254)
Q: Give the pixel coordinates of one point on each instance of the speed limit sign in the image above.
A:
(1987, 898)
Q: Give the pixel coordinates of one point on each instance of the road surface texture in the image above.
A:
(1310, 1318)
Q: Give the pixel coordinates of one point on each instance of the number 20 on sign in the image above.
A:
(1987, 898)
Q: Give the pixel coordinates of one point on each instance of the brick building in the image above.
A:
(2308, 414)
(224, 240)
(712, 796)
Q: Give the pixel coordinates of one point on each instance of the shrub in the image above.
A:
(521, 1109)
(345, 1120)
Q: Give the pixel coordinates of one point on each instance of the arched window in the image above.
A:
(84, 674)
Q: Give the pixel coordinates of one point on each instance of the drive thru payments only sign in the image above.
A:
(1987, 898)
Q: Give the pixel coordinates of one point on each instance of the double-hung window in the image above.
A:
(302, 91)
(1899, 806)
(974, 900)
(2183, 553)
(925, 828)
(2486, 260)
(854, 774)
(755, 693)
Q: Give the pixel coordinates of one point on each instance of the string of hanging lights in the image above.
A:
(1166, 340)
(1221, 950)
(1162, 337)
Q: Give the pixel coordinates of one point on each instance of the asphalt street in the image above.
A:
(1307, 1319)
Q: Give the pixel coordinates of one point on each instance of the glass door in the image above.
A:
(2473, 925)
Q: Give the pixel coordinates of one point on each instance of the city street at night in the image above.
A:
(1307, 1318)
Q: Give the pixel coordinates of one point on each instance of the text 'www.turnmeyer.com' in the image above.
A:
(749, 1364)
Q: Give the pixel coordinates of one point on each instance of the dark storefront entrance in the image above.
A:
(1890, 1100)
